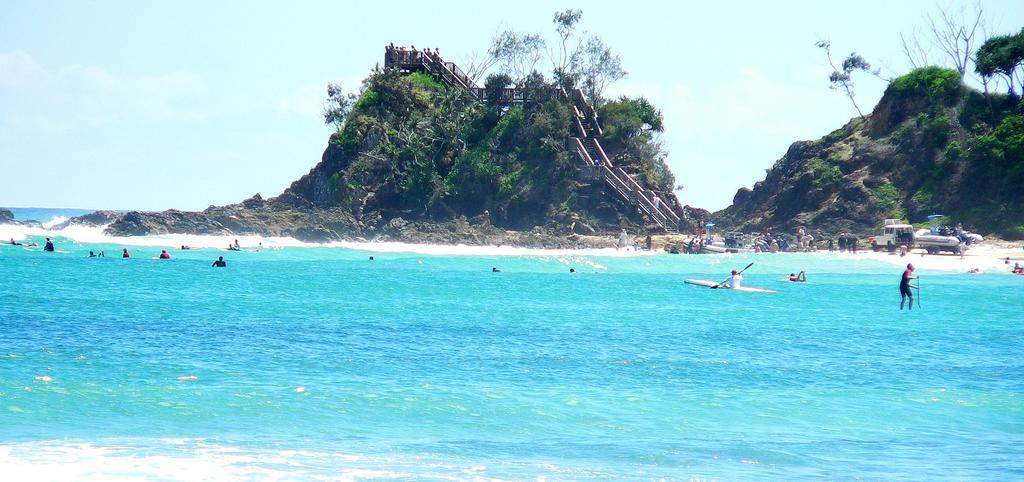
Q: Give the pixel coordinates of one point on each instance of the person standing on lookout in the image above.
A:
(905, 287)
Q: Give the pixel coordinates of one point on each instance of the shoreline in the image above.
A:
(988, 256)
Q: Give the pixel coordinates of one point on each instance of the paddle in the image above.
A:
(719, 285)
(918, 288)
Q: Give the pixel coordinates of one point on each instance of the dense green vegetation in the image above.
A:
(423, 149)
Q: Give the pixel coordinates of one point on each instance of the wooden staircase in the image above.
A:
(585, 143)
(590, 152)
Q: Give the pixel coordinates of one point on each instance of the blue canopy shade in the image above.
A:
(936, 216)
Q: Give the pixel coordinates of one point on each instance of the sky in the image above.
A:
(156, 105)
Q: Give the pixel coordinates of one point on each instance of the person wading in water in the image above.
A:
(905, 287)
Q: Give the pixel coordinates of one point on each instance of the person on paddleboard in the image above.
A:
(735, 280)
(905, 287)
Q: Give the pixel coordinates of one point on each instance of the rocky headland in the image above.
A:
(417, 160)
(931, 145)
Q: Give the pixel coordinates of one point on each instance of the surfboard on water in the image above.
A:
(714, 284)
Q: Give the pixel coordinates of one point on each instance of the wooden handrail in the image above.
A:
(579, 127)
(600, 150)
(582, 151)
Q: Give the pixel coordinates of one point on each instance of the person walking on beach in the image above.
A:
(905, 287)
(220, 263)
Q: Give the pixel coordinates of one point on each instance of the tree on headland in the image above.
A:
(1001, 55)
(841, 78)
(516, 53)
(565, 24)
(595, 67)
(337, 106)
(578, 59)
(953, 33)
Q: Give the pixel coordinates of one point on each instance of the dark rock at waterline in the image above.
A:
(6, 216)
(95, 218)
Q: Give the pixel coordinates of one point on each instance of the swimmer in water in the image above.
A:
(495, 269)
(905, 287)
(164, 254)
(15, 243)
(572, 270)
(92, 255)
(125, 254)
(220, 263)
(49, 245)
(798, 278)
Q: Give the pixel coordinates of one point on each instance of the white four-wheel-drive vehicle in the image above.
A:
(896, 233)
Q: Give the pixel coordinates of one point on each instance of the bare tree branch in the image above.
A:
(912, 49)
(954, 33)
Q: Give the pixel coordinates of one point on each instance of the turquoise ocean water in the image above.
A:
(314, 362)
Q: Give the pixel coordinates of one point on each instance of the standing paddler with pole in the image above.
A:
(905, 287)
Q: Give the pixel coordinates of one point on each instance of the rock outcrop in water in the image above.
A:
(930, 145)
(417, 160)
(6, 216)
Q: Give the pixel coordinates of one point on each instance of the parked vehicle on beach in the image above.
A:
(894, 234)
(934, 240)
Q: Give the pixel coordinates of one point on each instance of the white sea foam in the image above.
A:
(176, 459)
(84, 234)
(55, 221)
(987, 257)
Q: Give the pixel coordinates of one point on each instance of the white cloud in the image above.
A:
(36, 97)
